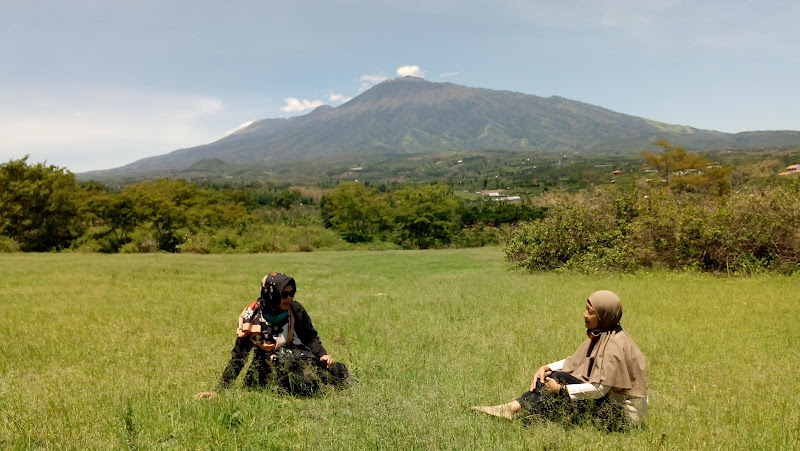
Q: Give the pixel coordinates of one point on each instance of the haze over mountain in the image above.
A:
(413, 116)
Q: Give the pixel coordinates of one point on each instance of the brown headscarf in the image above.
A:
(609, 356)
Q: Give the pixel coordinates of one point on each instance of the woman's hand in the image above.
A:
(539, 376)
(206, 394)
(327, 360)
(552, 386)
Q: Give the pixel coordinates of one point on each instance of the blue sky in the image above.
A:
(95, 84)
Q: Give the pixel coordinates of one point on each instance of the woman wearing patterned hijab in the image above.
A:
(286, 347)
(608, 366)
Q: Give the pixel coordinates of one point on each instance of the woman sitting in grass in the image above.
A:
(286, 346)
(604, 379)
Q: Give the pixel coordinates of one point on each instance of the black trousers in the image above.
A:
(295, 370)
(604, 412)
(531, 400)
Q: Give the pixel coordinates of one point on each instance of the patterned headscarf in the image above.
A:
(271, 287)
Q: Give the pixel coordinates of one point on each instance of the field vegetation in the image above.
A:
(107, 352)
(717, 212)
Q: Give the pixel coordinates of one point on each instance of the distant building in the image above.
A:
(497, 196)
(491, 192)
(793, 169)
(686, 172)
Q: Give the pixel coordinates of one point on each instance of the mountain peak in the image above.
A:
(410, 78)
(410, 115)
(320, 109)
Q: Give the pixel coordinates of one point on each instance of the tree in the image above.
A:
(164, 205)
(425, 216)
(685, 171)
(120, 215)
(359, 213)
(37, 205)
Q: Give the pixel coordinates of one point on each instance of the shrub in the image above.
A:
(258, 238)
(97, 239)
(627, 229)
(477, 237)
(8, 245)
(578, 232)
(143, 241)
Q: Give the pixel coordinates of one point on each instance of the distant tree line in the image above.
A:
(43, 208)
(417, 216)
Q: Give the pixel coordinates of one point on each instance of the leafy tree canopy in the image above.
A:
(686, 171)
(37, 205)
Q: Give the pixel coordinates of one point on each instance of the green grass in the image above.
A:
(108, 351)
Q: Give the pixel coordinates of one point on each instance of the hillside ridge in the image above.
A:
(408, 116)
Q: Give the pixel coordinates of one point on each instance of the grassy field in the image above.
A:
(108, 351)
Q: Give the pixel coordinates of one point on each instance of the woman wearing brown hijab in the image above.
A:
(608, 366)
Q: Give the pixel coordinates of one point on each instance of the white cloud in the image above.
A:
(85, 128)
(410, 71)
(449, 75)
(374, 79)
(368, 81)
(241, 127)
(340, 98)
(294, 105)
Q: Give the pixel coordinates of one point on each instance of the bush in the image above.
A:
(477, 237)
(626, 229)
(258, 238)
(96, 239)
(143, 241)
(578, 232)
(8, 245)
